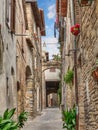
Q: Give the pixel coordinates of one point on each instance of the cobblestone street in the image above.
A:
(50, 119)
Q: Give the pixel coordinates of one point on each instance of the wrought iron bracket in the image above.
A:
(72, 50)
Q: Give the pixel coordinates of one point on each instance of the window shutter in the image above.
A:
(7, 10)
(57, 6)
(12, 18)
(63, 8)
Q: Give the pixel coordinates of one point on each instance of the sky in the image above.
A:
(50, 15)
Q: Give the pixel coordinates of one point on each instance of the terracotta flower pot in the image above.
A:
(95, 74)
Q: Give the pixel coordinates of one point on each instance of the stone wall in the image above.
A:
(68, 57)
(87, 43)
(20, 55)
(8, 74)
(88, 88)
(36, 59)
(20, 58)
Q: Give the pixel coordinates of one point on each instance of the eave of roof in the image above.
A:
(38, 15)
(25, 15)
(35, 11)
(43, 32)
(61, 8)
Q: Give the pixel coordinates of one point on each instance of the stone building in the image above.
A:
(8, 96)
(20, 32)
(36, 28)
(21, 27)
(87, 54)
(86, 58)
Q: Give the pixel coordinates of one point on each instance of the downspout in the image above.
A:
(64, 86)
(63, 67)
(75, 64)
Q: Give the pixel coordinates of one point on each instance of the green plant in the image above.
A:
(95, 66)
(7, 122)
(69, 118)
(56, 57)
(68, 78)
(22, 118)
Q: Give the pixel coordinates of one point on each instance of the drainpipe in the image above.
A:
(64, 86)
(75, 64)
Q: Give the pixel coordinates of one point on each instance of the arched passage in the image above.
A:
(51, 93)
(52, 99)
(52, 79)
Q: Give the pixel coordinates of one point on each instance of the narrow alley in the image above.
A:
(48, 64)
(50, 119)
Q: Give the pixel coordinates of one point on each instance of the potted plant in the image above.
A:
(69, 118)
(7, 122)
(75, 30)
(68, 78)
(95, 71)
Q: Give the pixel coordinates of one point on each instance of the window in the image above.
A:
(10, 14)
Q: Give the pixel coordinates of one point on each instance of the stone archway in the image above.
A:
(50, 65)
(52, 99)
(51, 93)
(29, 93)
(51, 82)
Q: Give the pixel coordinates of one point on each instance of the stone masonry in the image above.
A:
(87, 43)
(20, 56)
(8, 96)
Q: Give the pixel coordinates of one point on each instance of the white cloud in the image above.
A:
(52, 50)
(50, 40)
(47, 27)
(51, 46)
(51, 11)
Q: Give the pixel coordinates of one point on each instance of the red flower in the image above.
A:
(75, 30)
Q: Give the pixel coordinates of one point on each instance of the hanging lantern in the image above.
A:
(83, 3)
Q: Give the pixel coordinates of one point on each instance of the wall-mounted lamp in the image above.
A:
(84, 3)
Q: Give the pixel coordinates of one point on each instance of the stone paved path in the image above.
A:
(50, 119)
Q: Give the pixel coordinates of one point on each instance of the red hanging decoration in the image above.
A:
(75, 30)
